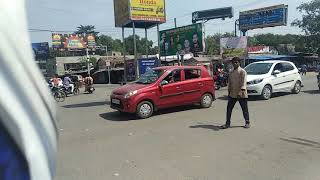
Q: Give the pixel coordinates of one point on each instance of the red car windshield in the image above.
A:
(150, 76)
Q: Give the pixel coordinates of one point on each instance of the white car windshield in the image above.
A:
(258, 68)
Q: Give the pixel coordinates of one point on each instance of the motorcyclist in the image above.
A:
(88, 82)
(67, 83)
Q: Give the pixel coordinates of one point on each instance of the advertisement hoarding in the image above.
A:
(264, 17)
(146, 64)
(73, 41)
(182, 40)
(148, 10)
(233, 47)
(131, 70)
(226, 12)
(121, 12)
(41, 50)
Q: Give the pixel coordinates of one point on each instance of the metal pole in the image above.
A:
(147, 47)
(159, 51)
(135, 49)
(88, 60)
(109, 67)
(124, 57)
(175, 22)
(235, 28)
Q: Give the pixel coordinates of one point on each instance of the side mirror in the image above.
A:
(275, 72)
(164, 82)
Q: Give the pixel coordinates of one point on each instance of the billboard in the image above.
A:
(41, 50)
(145, 13)
(131, 70)
(264, 17)
(121, 12)
(226, 12)
(146, 64)
(73, 41)
(148, 10)
(182, 40)
(233, 47)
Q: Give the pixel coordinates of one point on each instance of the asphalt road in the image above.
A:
(185, 143)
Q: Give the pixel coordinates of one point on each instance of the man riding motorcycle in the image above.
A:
(88, 82)
(68, 84)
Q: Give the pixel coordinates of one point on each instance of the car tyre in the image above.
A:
(145, 109)
(266, 92)
(206, 100)
(297, 88)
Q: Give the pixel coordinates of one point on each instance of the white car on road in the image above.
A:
(268, 77)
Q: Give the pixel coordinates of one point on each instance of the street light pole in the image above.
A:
(88, 60)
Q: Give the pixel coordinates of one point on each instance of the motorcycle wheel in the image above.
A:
(59, 96)
(76, 91)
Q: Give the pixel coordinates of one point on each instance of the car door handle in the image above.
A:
(201, 84)
(178, 87)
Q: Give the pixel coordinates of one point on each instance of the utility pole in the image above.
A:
(124, 57)
(88, 60)
(135, 49)
(175, 22)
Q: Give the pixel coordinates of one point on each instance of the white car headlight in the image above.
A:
(131, 93)
(257, 81)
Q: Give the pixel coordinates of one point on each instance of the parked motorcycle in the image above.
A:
(221, 80)
(89, 89)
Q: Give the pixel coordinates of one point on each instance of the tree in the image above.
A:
(88, 29)
(310, 24)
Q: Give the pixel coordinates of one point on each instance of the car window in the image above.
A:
(287, 67)
(173, 77)
(279, 67)
(192, 74)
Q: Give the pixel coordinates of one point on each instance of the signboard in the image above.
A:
(259, 50)
(145, 13)
(146, 64)
(182, 40)
(41, 50)
(73, 41)
(121, 12)
(148, 10)
(226, 12)
(57, 41)
(233, 47)
(265, 17)
(91, 41)
(131, 71)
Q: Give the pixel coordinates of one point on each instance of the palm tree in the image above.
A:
(88, 29)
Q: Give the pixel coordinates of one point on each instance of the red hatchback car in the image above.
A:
(165, 87)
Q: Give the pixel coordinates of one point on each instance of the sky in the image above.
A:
(66, 15)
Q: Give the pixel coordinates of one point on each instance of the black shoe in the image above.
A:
(247, 126)
(226, 126)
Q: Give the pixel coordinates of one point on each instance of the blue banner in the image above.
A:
(145, 64)
(41, 50)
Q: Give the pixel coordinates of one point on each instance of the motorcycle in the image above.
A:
(67, 91)
(58, 93)
(90, 89)
(221, 80)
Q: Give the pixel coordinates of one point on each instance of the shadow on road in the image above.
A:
(303, 142)
(90, 104)
(251, 98)
(117, 116)
(312, 92)
(212, 127)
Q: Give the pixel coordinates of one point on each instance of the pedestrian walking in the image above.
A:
(237, 92)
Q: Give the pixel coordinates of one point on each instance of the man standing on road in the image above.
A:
(237, 91)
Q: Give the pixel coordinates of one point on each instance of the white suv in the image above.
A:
(267, 77)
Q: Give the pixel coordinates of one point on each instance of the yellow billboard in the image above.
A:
(148, 10)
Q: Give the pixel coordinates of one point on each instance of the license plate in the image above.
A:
(115, 101)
